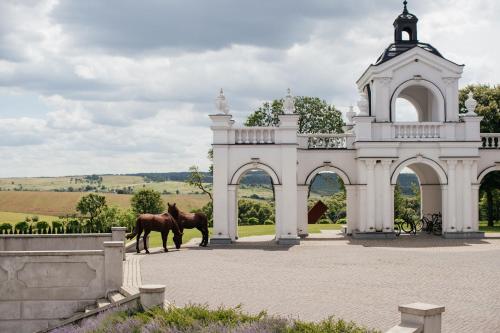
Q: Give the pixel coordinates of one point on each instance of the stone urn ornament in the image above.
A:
(221, 104)
(471, 105)
(289, 103)
(350, 114)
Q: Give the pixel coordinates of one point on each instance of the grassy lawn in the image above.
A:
(483, 226)
(243, 231)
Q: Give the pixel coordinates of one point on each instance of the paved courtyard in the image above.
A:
(363, 281)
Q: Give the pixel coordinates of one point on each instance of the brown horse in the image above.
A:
(156, 222)
(190, 221)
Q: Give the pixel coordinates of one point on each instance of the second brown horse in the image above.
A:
(162, 223)
(190, 221)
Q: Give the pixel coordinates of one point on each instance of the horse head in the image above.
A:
(173, 210)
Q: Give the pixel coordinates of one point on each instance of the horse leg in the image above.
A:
(145, 238)
(139, 232)
(205, 236)
(202, 235)
(164, 235)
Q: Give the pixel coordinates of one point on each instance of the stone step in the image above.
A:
(102, 302)
(89, 308)
(115, 296)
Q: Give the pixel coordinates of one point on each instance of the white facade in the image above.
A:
(444, 148)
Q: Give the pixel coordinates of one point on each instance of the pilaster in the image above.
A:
(302, 226)
(387, 222)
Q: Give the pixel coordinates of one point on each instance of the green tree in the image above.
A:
(315, 115)
(147, 201)
(92, 205)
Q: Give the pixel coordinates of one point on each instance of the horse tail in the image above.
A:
(134, 231)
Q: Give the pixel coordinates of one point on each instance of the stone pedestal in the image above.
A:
(152, 295)
(113, 266)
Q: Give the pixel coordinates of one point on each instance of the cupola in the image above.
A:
(405, 27)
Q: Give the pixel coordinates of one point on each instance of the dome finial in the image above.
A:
(405, 10)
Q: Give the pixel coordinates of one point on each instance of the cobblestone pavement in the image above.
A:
(362, 281)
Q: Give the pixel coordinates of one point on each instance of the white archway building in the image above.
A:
(444, 148)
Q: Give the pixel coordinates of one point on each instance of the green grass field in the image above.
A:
(483, 226)
(243, 231)
(13, 218)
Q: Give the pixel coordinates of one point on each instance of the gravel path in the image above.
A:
(363, 281)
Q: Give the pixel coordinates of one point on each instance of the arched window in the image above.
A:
(406, 34)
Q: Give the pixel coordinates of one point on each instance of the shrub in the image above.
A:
(268, 222)
(5, 228)
(342, 220)
(21, 227)
(252, 221)
(56, 224)
(325, 221)
(41, 225)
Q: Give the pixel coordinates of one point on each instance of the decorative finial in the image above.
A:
(471, 105)
(221, 103)
(289, 103)
(350, 114)
(405, 10)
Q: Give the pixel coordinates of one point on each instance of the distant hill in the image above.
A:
(170, 176)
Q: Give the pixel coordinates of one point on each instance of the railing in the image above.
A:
(326, 141)
(490, 140)
(255, 135)
(416, 130)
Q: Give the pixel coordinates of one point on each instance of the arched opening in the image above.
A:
(489, 202)
(326, 203)
(420, 97)
(406, 34)
(418, 194)
(255, 204)
(406, 111)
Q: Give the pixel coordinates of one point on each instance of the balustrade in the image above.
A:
(417, 130)
(490, 140)
(255, 135)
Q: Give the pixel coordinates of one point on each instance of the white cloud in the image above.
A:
(130, 90)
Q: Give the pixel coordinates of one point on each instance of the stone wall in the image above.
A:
(60, 242)
(40, 288)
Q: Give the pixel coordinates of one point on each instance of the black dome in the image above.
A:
(396, 49)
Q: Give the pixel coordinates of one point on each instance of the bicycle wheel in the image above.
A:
(419, 225)
(397, 229)
(437, 229)
(407, 227)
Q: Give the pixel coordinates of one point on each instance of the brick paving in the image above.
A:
(362, 281)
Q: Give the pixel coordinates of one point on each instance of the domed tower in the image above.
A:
(414, 71)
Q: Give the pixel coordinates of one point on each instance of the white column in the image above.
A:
(351, 208)
(451, 208)
(370, 200)
(467, 196)
(278, 203)
(220, 196)
(362, 208)
(232, 204)
(302, 192)
(475, 207)
(387, 223)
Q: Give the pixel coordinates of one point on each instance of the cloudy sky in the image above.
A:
(119, 86)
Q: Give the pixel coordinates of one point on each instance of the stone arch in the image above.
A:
(486, 171)
(440, 111)
(327, 168)
(427, 170)
(235, 179)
